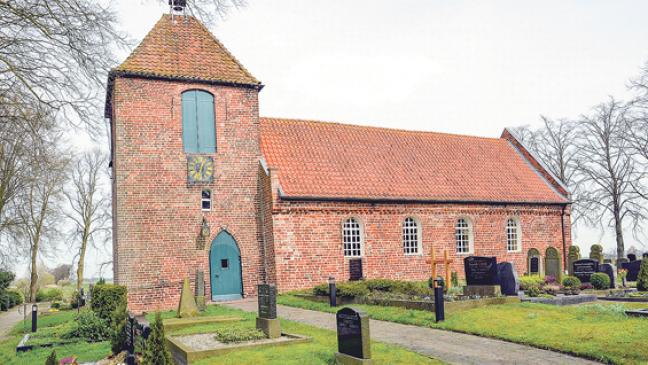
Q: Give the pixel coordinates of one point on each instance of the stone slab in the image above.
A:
(483, 290)
(561, 300)
(344, 359)
(638, 313)
(271, 327)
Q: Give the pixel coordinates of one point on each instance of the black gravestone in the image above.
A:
(508, 279)
(632, 257)
(267, 301)
(583, 269)
(355, 269)
(535, 265)
(609, 270)
(481, 270)
(633, 269)
(353, 333)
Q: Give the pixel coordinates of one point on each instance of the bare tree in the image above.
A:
(88, 204)
(608, 167)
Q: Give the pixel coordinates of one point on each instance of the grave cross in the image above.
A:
(445, 261)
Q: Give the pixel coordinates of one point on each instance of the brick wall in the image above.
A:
(157, 215)
(308, 238)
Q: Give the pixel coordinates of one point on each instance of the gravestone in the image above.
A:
(610, 271)
(353, 337)
(583, 269)
(553, 263)
(200, 290)
(508, 279)
(632, 257)
(267, 320)
(535, 265)
(572, 256)
(596, 253)
(187, 306)
(355, 269)
(633, 269)
(481, 276)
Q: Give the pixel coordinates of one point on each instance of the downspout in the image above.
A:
(564, 244)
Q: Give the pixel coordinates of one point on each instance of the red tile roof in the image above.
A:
(340, 161)
(184, 48)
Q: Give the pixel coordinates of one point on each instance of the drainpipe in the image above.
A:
(564, 244)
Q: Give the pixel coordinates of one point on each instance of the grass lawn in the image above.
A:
(50, 327)
(597, 331)
(319, 351)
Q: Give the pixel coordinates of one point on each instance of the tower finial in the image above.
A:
(178, 6)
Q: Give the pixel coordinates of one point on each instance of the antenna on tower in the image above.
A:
(177, 7)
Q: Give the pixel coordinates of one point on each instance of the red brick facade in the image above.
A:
(295, 243)
(157, 214)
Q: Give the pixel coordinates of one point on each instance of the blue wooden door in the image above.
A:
(225, 264)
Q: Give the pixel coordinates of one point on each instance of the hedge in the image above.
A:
(49, 295)
(107, 297)
(642, 278)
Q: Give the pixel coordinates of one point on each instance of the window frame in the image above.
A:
(470, 234)
(518, 234)
(418, 236)
(203, 200)
(360, 229)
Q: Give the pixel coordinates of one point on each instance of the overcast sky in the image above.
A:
(468, 67)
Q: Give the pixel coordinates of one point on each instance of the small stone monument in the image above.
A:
(200, 290)
(354, 347)
(355, 269)
(596, 253)
(481, 276)
(508, 279)
(632, 257)
(573, 256)
(633, 268)
(187, 306)
(267, 320)
(610, 270)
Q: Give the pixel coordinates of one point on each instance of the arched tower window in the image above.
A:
(411, 236)
(198, 125)
(513, 235)
(464, 236)
(352, 238)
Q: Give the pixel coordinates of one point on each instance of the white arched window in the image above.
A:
(513, 235)
(352, 238)
(464, 236)
(411, 236)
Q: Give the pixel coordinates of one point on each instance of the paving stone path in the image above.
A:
(9, 319)
(451, 347)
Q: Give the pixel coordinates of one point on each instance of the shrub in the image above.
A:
(533, 291)
(585, 286)
(155, 352)
(528, 281)
(49, 295)
(322, 289)
(51, 359)
(234, 334)
(642, 277)
(101, 281)
(352, 289)
(549, 279)
(106, 298)
(571, 282)
(56, 305)
(89, 327)
(600, 280)
(6, 277)
(381, 285)
(118, 337)
(454, 279)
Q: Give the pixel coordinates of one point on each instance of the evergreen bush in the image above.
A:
(642, 277)
(155, 352)
(454, 279)
(49, 295)
(106, 298)
(89, 327)
(118, 337)
(600, 280)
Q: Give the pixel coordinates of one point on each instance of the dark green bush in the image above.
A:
(352, 289)
(49, 295)
(89, 327)
(6, 277)
(118, 337)
(155, 351)
(600, 280)
(642, 278)
(454, 279)
(571, 282)
(106, 298)
(321, 290)
(533, 291)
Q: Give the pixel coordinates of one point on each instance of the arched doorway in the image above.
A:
(534, 262)
(552, 263)
(225, 268)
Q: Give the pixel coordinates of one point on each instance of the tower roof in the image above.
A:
(182, 48)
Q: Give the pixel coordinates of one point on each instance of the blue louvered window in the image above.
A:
(198, 131)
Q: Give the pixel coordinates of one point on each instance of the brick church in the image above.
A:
(203, 184)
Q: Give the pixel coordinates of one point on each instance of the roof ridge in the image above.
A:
(344, 124)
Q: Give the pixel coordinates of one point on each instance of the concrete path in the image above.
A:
(451, 347)
(9, 319)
